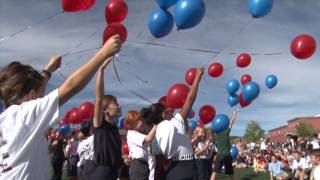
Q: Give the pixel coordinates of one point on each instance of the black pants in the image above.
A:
(57, 170)
(182, 170)
(91, 171)
(204, 167)
(225, 160)
(139, 170)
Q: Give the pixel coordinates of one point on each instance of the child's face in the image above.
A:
(315, 160)
(201, 134)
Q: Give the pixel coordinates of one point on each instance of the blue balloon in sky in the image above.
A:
(189, 13)
(259, 8)
(250, 91)
(120, 123)
(160, 23)
(233, 100)
(166, 3)
(192, 124)
(220, 123)
(64, 129)
(232, 86)
(234, 152)
(271, 81)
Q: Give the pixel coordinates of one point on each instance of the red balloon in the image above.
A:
(63, 121)
(113, 29)
(245, 79)
(163, 100)
(243, 60)
(242, 102)
(207, 113)
(200, 123)
(190, 75)
(74, 116)
(303, 46)
(177, 95)
(215, 70)
(77, 5)
(125, 149)
(116, 11)
(86, 110)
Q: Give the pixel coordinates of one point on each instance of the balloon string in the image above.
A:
(131, 91)
(28, 27)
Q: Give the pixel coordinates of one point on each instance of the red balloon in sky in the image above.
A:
(245, 79)
(116, 11)
(242, 102)
(113, 29)
(207, 113)
(243, 60)
(303, 46)
(177, 95)
(63, 121)
(200, 123)
(77, 5)
(74, 116)
(190, 75)
(86, 110)
(215, 70)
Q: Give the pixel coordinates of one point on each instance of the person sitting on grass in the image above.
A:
(275, 169)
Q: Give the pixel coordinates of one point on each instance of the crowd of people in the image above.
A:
(161, 145)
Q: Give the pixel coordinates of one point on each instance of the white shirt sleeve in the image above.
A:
(136, 137)
(41, 112)
(178, 123)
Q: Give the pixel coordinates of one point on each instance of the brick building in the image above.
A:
(279, 134)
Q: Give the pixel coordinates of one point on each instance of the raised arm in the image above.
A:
(80, 78)
(150, 135)
(98, 112)
(52, 66)
(233, 118)
(191, 96)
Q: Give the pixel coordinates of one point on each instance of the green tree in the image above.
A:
(253, 132)
(304, 130)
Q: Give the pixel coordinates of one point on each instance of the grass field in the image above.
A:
(240, 174)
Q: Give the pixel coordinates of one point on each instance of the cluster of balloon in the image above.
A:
(77, 5)
(177, 95)
(215, 70)
(259, 8)
(234, 152)
(206, 114)
(250, 91)
(303, 46)
(188, 13)
(115, 12)
(220, 123)
(232, 86)
(125, 149)
(192, 124)
(271, 81)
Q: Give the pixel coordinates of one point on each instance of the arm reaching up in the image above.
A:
(233, 118)
(51, 67)
(98, 114)
(150, 135)
(191, 96)
(80, 78)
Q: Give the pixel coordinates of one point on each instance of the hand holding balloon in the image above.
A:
(111, 46)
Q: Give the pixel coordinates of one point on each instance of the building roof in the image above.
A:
(302, 118)
(284, 126)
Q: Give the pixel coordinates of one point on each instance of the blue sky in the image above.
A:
(296, 94)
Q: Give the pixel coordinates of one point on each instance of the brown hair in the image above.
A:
(16, 81)
(315, 153)
(131, 120)
(108, 99)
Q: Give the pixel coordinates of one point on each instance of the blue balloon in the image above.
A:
(232, 86)
(160, 23)
(192, 124)
(271, 81)
(191, 113)
(64, 129)
(259, 8)
(189, 13)
(233, 100)
(164, 4)
(220, 123)
(250, 91)
(234, 152)
(120, 123)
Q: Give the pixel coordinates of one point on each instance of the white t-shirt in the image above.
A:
(316, 175)
(23, 129)
(263, 146)
(85, 150)
(137, 149)
(171, 139)
(201, 146)
(252, 145)
(301, 164)
(315, 144)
